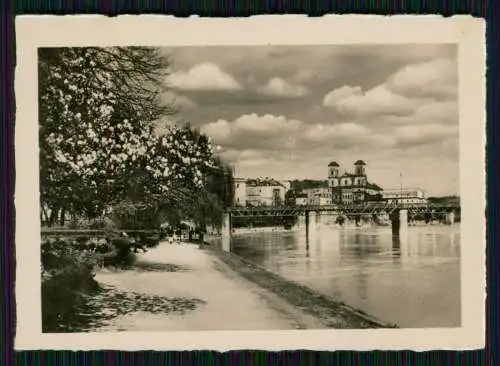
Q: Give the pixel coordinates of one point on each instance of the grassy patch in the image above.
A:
(64, 291)
(68, 279)
(142, 266)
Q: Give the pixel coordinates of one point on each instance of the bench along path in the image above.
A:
(231, 302)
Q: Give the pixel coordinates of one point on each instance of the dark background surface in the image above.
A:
(486, 9)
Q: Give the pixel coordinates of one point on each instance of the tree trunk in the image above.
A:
(45, 215)
(53, 216)
(62, 218)
(42, 214)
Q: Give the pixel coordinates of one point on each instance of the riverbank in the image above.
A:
(187, 287)
(334, 314)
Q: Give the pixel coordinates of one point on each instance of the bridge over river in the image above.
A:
(368, 208)
(399, 214)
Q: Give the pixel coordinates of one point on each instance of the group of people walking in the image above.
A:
(174, 239)
(178, 236)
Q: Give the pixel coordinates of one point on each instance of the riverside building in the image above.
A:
(405, 195)
(316, 196)
(259, 192)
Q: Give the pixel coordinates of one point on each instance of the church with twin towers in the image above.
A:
(351, 187)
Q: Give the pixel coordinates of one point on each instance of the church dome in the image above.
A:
(359, 162)
(333, 163)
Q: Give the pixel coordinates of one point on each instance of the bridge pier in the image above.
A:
(450, 218)
(226, 232)
(357, 220)
(319, 219)
(399, 222)
(311, 225)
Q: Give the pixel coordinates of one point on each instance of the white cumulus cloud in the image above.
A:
(204, 76)
(333, 97)
(280, 87)
(271, 132)
(379, 100)
(251, 127)
(410, 90)
(436, 77)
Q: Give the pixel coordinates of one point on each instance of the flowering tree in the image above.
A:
(204, 205)
(171, 181)
(97, 142)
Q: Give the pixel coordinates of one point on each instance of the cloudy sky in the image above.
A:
(286, 112)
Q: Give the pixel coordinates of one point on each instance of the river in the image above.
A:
(412, 281)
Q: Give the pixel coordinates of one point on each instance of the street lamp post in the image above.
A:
(401, 187)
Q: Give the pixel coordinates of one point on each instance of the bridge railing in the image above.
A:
(364, 206)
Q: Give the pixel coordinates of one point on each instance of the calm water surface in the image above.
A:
(412, 281)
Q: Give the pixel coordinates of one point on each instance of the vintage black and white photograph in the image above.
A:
(249, 187)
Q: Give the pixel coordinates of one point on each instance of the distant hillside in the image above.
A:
(445, 200)
(298, 185)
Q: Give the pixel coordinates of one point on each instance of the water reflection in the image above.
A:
(396, 249)
(396, 246)
(412, 280)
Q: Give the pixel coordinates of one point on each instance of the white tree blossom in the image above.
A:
(96, 132)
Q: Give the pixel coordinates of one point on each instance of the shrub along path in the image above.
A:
(222, 299)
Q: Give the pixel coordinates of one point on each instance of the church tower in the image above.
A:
(359, 168)
(333, 170)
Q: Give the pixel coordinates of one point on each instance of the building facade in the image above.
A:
(259, 192)
(350, 188)
(405, 195)
(240, 191)
(301, 199)
(318, 196)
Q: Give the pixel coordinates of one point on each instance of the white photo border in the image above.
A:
(33, 32)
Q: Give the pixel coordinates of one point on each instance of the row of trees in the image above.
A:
(445, 200)
(299, 185)
(99, 146)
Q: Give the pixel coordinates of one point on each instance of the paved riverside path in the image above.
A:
(232, 303)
